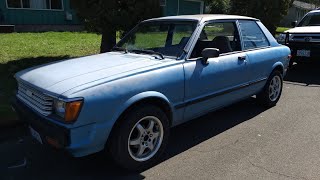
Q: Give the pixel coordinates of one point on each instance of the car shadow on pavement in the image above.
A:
(44, 162)
(305, 73)
(194, 132)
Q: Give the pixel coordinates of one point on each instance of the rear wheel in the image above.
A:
(271, 93)
(140, 138)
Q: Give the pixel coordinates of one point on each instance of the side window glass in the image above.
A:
(252, 35)
(221, 35)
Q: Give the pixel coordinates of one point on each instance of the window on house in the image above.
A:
(14, 3)
(36, 4)
(26, 3)
(56, 4)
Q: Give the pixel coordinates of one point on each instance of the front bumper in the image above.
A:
(42, 125)
(77, 141)
(313, 47)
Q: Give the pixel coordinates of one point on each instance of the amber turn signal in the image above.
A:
(72, 111)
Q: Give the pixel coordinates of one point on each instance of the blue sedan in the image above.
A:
(164, 72)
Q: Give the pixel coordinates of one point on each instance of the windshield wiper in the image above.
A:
(138, 51)
(116, 48)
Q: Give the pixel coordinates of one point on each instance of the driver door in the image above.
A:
(218, 83)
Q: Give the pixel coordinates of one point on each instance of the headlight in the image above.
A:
(281, 38)
(68, 111)
(59, 108)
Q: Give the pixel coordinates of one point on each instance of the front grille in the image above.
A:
(305, 38)
(305, 44)
(35, 99)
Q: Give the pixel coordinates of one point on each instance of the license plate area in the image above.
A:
(303, 53)
(35, 135)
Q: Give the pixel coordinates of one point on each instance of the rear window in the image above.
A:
(252, 36)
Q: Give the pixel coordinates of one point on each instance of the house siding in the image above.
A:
(29, 20)
(38, 17)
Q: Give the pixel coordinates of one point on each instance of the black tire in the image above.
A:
(264, 96)
(119, 142)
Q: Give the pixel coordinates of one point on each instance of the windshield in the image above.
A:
(312, 19)
(166, 38)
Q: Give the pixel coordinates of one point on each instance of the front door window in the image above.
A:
(221, 35)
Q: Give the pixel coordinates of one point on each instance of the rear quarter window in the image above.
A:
(252, 35)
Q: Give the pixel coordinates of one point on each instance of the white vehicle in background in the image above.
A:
(304, 38)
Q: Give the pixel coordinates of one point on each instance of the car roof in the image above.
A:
(203, 17)
(314, 11)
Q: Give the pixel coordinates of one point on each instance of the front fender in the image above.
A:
(102, 130)
(139, 97)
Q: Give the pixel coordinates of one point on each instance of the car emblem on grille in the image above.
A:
(308, 39)
(29, 93)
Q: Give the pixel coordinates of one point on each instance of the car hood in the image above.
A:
(305, 29)
(59, 77)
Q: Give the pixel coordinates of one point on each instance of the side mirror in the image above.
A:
(294, 23)
(209, 53)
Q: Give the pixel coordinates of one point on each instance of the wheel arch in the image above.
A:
(278, 66)
(151, 97)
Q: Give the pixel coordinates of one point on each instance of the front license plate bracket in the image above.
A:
(35, 135)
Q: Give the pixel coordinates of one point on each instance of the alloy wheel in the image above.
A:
(275, 88)
(145, 138)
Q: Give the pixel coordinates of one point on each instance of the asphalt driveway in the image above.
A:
(243, 141)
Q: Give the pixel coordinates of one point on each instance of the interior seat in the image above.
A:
(222, 43)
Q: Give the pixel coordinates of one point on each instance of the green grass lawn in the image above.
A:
(22, 50)
(51, 44)
(282, 29)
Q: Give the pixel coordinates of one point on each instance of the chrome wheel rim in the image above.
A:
(145, 138)
(275, 88)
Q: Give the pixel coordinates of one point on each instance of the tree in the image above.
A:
(218, 6)
(270, 12)
(109, 16)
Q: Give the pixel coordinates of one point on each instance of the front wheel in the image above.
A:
(271, 92)
(140, 138)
